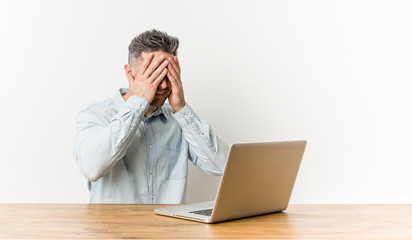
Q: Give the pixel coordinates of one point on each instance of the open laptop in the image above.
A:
(258, 179)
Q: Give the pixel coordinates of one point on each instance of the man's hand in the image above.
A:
(176, 97)
(148, 77)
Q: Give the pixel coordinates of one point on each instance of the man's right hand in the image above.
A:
(148, 76)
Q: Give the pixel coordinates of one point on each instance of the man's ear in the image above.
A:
(130, 72)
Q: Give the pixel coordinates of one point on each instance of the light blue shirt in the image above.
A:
(128, 158)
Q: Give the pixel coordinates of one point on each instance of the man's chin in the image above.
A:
(158, 102)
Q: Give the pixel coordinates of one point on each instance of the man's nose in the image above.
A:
(163, 84)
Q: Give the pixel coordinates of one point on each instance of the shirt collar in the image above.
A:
(119, 102)
(159, 113)
(118, 97)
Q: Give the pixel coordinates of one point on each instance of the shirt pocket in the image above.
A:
(176, 162)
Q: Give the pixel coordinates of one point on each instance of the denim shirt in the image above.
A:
(128, 158)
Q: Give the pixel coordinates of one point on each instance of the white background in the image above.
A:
(336, 73)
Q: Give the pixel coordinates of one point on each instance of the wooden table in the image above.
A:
(86, 221)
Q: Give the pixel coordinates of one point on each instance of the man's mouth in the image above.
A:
(161, 93)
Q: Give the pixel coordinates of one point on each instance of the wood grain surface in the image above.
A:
(98, 221)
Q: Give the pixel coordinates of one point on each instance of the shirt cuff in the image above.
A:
(137, 104)
(185, 116)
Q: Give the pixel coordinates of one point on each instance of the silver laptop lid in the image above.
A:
(258, 179)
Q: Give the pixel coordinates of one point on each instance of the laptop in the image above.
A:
(258, 179)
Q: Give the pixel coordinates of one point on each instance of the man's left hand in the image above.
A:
(176, 97)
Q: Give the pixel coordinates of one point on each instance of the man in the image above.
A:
(134, 148)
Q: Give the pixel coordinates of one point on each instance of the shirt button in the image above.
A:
(202, 134)
(151, 171)
(141, 106)
(151, 146)
(186, 115)
(152, 196)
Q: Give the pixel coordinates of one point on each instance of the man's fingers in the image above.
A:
(175, 67)
(173, 81)
(160, 77)
(172, 69)
(158, 71)
(177, 61)
(147, 59)
(153, 66)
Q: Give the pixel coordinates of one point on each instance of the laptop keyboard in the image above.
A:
(206, 212)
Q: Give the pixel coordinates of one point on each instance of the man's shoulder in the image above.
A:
(102, 107)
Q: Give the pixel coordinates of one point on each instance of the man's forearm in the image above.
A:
(208, 149)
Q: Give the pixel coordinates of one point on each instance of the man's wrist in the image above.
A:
(136, 103)
(185, 116)
(177, 109)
